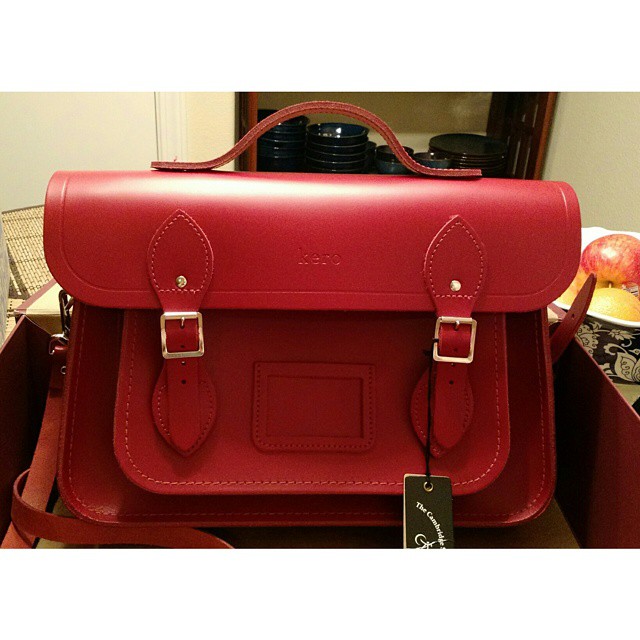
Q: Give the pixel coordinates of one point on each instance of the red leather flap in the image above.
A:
(309, 241)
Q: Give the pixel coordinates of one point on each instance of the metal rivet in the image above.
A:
(455, 285)
(181, 282)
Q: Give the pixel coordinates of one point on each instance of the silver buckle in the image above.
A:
(456, 321)
(181, 316)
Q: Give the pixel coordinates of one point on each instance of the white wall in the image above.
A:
(211, 125)
(595, 147)
(43, 132)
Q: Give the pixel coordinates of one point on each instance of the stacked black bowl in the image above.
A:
(387, 161)
(470, 151)
(282, 148)
(335, 147)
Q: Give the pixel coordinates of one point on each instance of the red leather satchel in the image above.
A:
(272, 349)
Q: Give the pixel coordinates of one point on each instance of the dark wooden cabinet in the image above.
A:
(523, 120)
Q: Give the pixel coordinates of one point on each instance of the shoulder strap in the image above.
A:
(567, 328)
(32, 493)
(41, 480)
(30, 521)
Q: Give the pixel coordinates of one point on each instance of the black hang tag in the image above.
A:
(428, 514)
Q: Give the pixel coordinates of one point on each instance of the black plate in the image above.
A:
(280, 164)
(339, 150)
(483, 165)
(337, 134)
(281, 144)
(391, 168)
(475, 161)
(468, 144)
(335, 166)
(334, 157)
(433, 160)
(313, 169)
(272, 152)
(299, 122)
(284, 137)
(384, 153)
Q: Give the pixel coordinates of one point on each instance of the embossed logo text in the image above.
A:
(311, 257)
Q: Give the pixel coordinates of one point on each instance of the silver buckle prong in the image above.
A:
(181, 316)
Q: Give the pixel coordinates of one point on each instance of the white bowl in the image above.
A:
(613, 343)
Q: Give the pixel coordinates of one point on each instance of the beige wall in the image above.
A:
(595, 147)
(211, 124)
(44, 132)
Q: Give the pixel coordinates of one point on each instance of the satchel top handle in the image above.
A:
(320, 106)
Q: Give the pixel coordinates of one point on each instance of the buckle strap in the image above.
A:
(180, 266)
(455, 269)
(568, 326)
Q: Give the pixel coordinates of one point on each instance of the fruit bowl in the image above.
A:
(614, 344)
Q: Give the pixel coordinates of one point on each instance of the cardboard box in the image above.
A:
(24, 379)
(598, 458)
(43, 308)
(598, 438)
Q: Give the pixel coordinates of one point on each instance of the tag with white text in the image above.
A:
(428, 512)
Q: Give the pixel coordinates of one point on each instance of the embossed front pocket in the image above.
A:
(302, 406)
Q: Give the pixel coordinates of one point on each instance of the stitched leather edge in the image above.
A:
(362, 444)
(206, 427)
(534, 501)
(148, 479)
(418, 397)
(460, 222)
(177, 216)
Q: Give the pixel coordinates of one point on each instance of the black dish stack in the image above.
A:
(470, 151)
(338, 147)
(283, 147)
(334, 147)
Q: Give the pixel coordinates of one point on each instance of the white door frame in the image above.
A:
(171, 126)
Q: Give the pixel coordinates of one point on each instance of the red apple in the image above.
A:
(615, 259)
